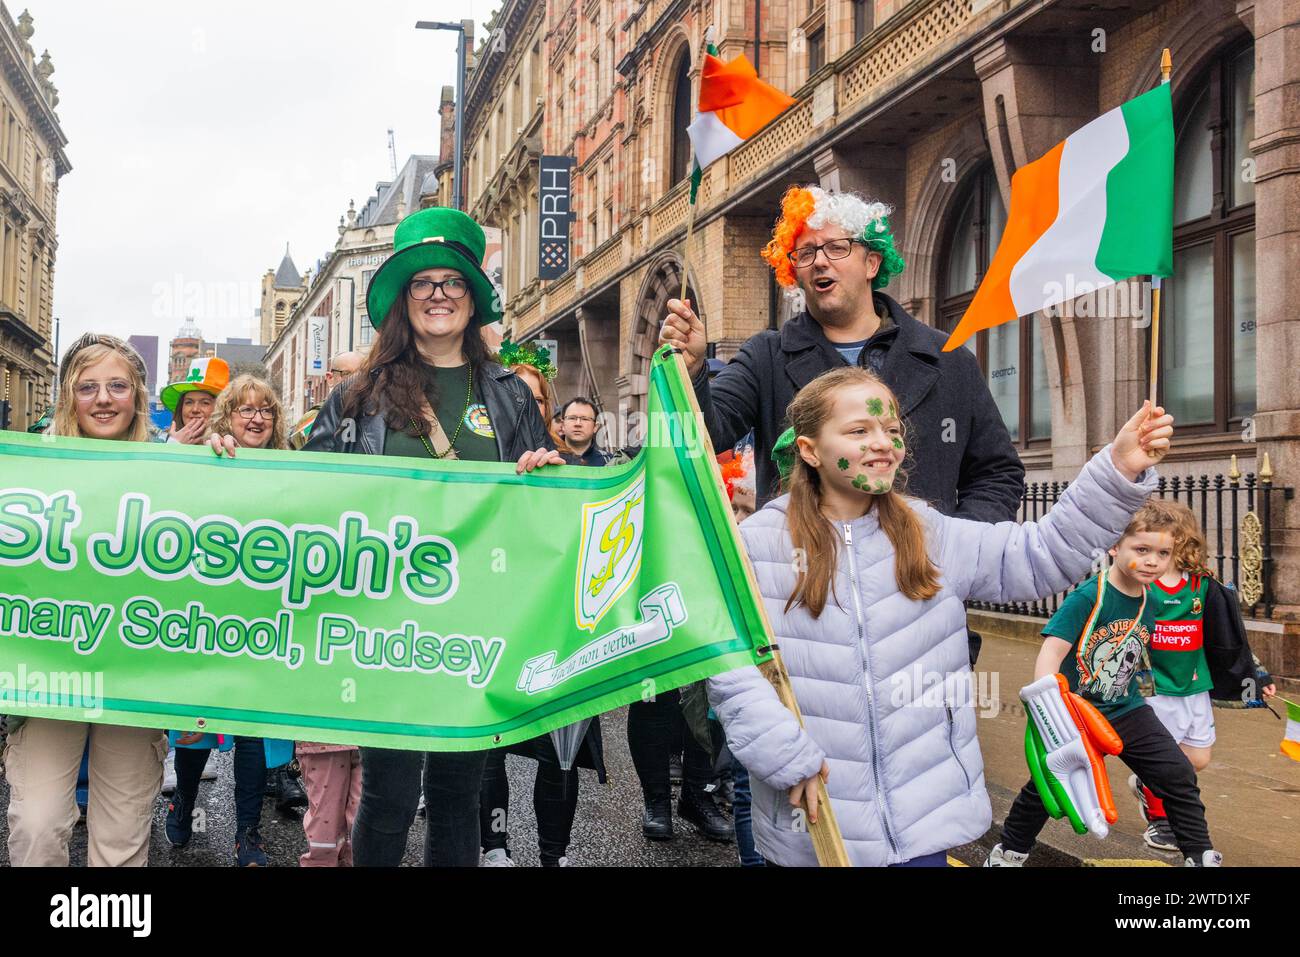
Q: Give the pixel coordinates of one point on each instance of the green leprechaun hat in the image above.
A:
(434, 238)
(206, 375)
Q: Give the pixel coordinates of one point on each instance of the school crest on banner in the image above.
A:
(610, 553)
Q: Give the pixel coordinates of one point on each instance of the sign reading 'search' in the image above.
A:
(353, 599)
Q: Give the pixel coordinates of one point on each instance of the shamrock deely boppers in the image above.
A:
(1063, 736)
(527, 353)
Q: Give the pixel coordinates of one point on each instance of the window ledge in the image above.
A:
(1214, 445)
(1036, 459)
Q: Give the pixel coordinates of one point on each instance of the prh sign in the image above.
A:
(553, 200)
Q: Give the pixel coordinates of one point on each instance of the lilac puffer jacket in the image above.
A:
(884, 681)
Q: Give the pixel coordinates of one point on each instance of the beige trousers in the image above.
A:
(41, 763)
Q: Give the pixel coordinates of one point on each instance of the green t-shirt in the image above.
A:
(1178, 648)
(1102, 666)
(445, 389)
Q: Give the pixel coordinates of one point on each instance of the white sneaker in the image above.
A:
(497, 858)
(1208, 859)
(169, 773)
(563, 861)
(1135, 786)
(1000, 858)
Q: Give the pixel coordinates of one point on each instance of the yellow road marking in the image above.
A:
(953, 862)
(1123, 862)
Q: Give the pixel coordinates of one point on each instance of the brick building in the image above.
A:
(931, 105)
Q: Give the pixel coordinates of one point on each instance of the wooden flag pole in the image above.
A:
(828, 843)
(1155, 336)
(1166, 68)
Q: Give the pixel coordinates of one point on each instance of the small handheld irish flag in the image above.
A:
(1096, 209)
(1291, 740)
(734, 105)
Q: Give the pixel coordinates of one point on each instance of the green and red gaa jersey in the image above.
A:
(1178, 645)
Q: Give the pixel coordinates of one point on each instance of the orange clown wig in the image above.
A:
(813, 207)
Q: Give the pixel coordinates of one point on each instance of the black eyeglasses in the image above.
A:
(248, 413)
(422, 289)
(834, 249)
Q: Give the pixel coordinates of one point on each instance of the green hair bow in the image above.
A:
(783, 454)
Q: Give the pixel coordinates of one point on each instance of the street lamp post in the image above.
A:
(352, 310)
(56, 359)
(463, 28)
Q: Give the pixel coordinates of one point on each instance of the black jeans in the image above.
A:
(555, 801)
(655, 731)
(1152, 754)
(390, 793)
(250, 778)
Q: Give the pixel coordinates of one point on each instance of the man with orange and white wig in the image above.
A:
(836, 251)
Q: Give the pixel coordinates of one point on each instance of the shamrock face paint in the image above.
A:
(860, 446)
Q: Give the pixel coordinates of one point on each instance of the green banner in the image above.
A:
(392, 602)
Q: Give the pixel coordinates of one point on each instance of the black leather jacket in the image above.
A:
(510, 407)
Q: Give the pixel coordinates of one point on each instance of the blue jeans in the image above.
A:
(740, 812)
(250, 778)
(390, 792)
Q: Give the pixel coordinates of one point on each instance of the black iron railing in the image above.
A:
(1235, 512)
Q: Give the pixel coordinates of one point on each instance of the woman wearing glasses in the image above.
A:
(247, 415)
(101, 396)
(430, 389)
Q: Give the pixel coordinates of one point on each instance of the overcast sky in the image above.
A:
(203, 137)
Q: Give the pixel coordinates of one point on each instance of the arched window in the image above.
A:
(683, 113)
(1010, 354)
(1207, 330)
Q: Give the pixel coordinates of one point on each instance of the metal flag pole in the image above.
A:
(690, 227)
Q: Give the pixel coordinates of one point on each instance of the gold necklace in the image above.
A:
(451, 443)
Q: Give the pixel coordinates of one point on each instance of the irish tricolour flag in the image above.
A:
(1291, 739)
(1098, 208)
(734, 105)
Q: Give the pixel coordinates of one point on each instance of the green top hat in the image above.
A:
(434, 238)
(209, 375)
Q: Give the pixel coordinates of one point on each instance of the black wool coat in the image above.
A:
(960, 457)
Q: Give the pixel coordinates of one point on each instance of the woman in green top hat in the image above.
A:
(430, 388)
(192, 400)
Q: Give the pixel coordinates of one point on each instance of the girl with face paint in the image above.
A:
(866, 587)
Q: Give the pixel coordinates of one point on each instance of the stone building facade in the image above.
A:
(281, 290)
(32, 161)
(334, 298)
(930, 105)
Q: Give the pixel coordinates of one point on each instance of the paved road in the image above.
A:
(607, 830)
(1250, 789)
